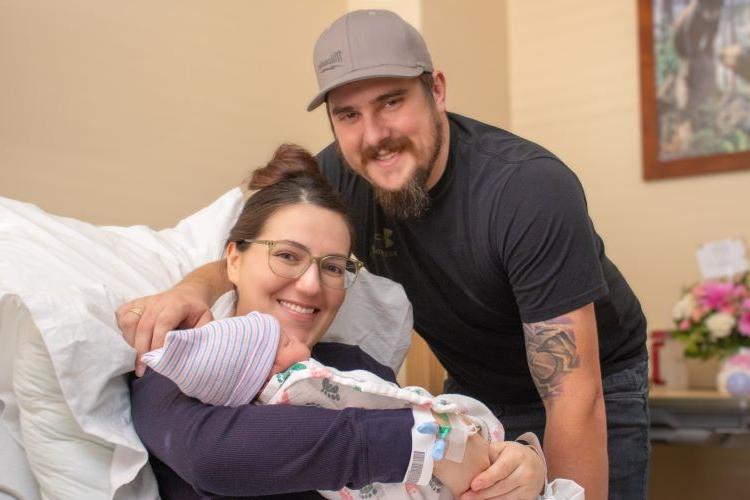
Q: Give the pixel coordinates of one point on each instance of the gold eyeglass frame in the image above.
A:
(358, 264)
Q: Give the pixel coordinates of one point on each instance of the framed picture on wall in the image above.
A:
(695, 86)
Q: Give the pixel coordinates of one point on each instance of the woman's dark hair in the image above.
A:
(291, 177)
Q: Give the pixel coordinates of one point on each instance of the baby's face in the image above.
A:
(291, 350)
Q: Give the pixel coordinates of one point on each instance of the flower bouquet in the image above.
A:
(713, 318)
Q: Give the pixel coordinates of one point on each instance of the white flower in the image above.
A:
(684, 307)
(720, 325)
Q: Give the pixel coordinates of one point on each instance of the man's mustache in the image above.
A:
(389, 144)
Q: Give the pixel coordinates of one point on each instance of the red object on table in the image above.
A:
(658, 338)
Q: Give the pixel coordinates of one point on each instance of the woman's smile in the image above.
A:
(303, 311)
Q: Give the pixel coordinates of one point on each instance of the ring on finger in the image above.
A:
(137, 310)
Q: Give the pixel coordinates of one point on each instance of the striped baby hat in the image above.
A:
(224, 363)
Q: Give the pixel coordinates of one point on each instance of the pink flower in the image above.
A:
(697, 314)
(715, 295)
(685, 325)
(730, 309)
(740, 360)
(745, 318)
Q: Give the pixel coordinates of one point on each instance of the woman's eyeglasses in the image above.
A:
(291, 260)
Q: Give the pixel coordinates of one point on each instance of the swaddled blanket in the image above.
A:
(311, 383)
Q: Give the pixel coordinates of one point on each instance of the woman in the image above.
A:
(253, 450)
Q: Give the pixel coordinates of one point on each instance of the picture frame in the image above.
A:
(695, 94)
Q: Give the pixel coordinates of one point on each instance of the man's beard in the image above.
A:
(413, 199)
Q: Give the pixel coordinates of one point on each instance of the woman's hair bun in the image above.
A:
(289, 160)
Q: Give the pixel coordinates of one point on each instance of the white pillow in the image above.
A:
(40, 251)
(51, 431)
(377, 316)
(16, 478)
(81, 411)
(72, 275)
(41, 257)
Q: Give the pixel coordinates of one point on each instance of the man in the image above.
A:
(489, 235)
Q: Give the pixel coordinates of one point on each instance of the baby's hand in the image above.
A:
(516, 470)
(456, 476)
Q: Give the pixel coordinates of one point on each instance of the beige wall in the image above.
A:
(574, 88)
(142, 111)
(468, 40)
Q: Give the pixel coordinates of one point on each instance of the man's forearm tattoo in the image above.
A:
(551, 353)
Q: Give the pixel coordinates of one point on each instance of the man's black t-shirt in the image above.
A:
(507, 240)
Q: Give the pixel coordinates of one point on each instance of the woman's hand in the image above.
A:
(517, 473)
(145, 321)
(457, 476)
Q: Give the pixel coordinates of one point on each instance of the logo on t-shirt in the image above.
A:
(382, 247)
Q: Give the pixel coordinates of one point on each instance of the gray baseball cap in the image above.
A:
(367, 44)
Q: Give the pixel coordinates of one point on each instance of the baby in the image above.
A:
(238, 360)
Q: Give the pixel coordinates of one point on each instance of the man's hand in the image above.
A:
(457, 476)
(181, 307)
(517, 473)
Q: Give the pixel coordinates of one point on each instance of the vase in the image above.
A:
(702, 373)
